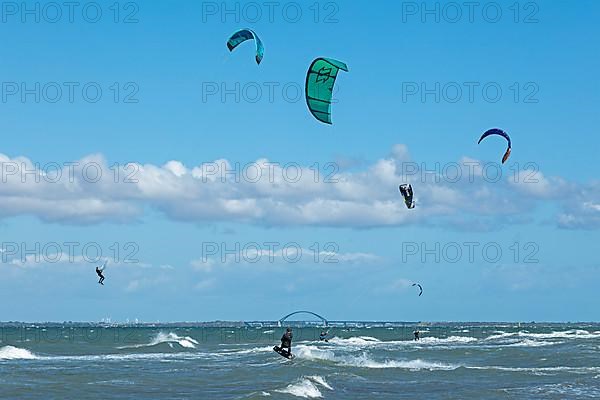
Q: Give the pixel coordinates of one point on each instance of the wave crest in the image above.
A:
(169, 338)
(16, 353)
(306, 387)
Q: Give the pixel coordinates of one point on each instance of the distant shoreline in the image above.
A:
(308, 324)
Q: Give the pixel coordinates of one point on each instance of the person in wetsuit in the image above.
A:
(407, 192)
(416, 333)
(286, 340)
(323, 336)
(99, 272)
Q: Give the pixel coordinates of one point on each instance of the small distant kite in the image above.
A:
(320, 79)
(420, 288)
(246, 34)
(499, 132)
(407, 193)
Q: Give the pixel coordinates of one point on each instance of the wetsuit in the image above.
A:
(407, 193)
(286, 341)
(99, 272)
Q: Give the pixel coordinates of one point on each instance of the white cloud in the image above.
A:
(271, 194)
(204, 265)
(277, 256)
(205, 284)
(398, 285)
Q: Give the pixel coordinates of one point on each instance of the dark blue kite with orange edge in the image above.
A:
(500, 132)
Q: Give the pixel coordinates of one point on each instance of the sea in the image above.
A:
(450, 361)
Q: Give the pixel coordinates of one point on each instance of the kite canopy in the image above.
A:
(499, 132)
(420, 288)
(319, 86)
(246, 34)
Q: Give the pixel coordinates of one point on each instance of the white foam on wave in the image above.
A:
(365, 361)
(366, 341)
(16, 353)
(253, 350)
(540, 370)
(306, 387)
(413, 365)
(355, 341)
(163, 357)
(448, 340)
(531, 343)
(169, 338)
(570, 334)
(321, 381)
(568, 390)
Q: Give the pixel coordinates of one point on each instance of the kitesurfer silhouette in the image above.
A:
(99, 272)
(416, 333)
(286, 340)
(323, 336)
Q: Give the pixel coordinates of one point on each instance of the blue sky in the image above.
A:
(177, 226)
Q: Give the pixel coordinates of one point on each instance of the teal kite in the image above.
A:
(319, 86)
(246, 34)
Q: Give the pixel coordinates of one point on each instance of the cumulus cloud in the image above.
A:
(581, 208)
(467, 194)
(205, 284)
(398, 286)
(277, 255)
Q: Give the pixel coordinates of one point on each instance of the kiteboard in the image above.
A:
(283, 353)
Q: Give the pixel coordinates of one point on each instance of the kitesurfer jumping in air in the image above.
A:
(286, 340)
(99, 272)
(407, 192)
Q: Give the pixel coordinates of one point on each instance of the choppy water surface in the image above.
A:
(450, 362)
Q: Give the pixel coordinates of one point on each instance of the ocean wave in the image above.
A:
(16, 353)
(169, 338)
(413, 365)
(540, 370)
(355, 341)
(306, 387)
(253, 350)
(531, 343)
(367, 341)
(365, 361)
(568, 390)
(570, 334)
(163, 357)
(447, 340)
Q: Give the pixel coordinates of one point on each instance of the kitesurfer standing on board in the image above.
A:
(286, 340)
